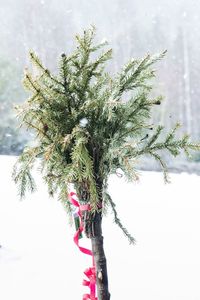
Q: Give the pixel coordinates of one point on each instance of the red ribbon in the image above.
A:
(90, 272)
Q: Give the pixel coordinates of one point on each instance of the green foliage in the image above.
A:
(84, 129)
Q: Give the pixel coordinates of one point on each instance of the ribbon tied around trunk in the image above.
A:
(90, 272)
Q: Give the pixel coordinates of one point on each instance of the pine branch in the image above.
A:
(22, 171)
(36, 61)
(155, 137)
(38, 130)
(117, 220)
(135, 74)
(162, 164)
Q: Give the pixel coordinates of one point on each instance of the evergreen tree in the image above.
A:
(88, 125)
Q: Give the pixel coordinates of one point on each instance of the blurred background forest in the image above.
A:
(133, 28)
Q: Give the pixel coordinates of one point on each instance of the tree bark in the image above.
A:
(99, 258)
(93, 230)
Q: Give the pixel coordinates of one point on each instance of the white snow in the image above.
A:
(39, 261)
(83, 122)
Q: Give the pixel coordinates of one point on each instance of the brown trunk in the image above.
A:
(100, 259)
(93, 230)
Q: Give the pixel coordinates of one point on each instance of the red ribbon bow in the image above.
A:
(91, 283)
(90, 272)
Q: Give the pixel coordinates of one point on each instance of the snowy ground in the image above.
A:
(39, 261)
